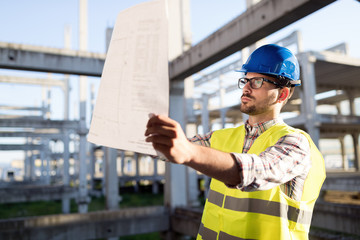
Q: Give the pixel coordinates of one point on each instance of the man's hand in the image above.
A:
(167, 137)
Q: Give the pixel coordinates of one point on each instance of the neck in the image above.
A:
(260, 118)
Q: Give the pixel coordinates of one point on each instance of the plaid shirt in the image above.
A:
(286, 163)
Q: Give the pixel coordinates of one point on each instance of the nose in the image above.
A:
(247, 87)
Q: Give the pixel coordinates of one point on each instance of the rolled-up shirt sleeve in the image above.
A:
(289, 158)
(202, 140)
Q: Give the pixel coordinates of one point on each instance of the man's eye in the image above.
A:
(258, 82)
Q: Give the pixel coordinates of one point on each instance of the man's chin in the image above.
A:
(247, 110)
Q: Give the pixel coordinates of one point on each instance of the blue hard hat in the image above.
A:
(274, 60)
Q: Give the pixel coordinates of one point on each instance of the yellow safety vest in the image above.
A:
(231, 214)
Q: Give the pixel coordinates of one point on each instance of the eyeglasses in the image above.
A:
(256, 82)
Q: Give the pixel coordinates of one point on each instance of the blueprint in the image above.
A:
(135, 80)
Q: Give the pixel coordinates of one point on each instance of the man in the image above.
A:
(266, 175)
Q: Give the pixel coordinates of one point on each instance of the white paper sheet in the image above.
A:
(135, 79)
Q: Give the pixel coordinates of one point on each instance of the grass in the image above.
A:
(41, 208)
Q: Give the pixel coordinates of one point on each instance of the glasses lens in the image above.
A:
(242, 82)
(256, 82)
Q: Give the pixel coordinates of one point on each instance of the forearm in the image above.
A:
(215, 164)
(168, 138)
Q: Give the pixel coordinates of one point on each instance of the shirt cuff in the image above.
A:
(239, 167)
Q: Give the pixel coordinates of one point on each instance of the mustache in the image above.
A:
(248, 96)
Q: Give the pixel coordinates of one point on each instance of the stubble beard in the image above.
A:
(259, 108)
(248, 109)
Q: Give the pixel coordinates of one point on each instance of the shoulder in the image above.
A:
(296, 139)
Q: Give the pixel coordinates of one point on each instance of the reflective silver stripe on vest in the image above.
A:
(208, 234)
(216, 198)
(261, 206)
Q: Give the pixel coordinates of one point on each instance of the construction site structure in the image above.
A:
(60, 164)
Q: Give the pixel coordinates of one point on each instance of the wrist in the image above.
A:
(194, 152)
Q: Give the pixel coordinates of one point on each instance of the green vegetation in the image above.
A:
(27, 209)
(40, 208)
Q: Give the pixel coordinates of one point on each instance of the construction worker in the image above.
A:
(266, 175)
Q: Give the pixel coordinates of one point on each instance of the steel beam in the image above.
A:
(31, 134)
(6, 107)
(259, 21)
(32, 123)
(339, 119)
(56, 60)
(33, 81)
(20, 147)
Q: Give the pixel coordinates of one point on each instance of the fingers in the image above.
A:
(161, 130)
(161, 125)
(161, 120)
(160, 139)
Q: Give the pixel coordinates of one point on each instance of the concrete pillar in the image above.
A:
(122, 162)
(47, 160)
(191, 174)
(222, 93)
(112, 186)
(205, 121)
(155, 185)
(32, 166)
(66, 167)
(351, 102)
(122, 167)
(223, 112)
(43, 102)
(48, 112)
(27, 163)
(92, 166)
(66, 138)
(66, 97)
(175, 175)
(343, 154)
(355, 137)
(206, 128)
(83, 192)
(338, 108)
(299, 42)
(179, 40)
(91, 145)
(309, 91)
(137, 171)
(43, 160)
(104, 172)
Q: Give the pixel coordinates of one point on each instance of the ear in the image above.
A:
(284, 94)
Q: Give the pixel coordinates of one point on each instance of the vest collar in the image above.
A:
(259, 128)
